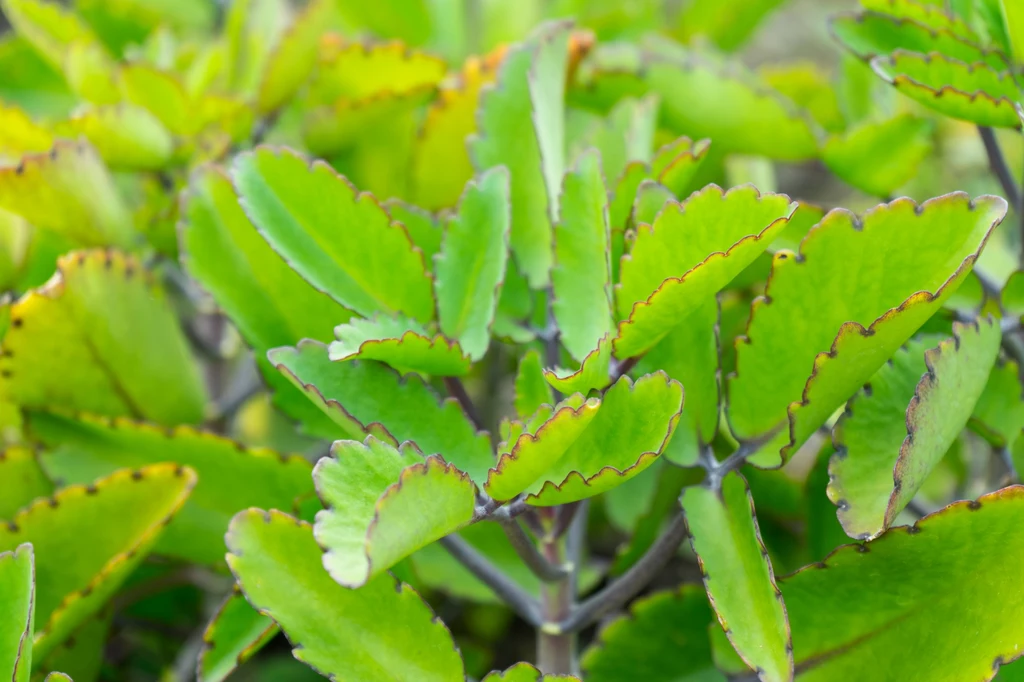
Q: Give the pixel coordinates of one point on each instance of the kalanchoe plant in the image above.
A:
(497, 341)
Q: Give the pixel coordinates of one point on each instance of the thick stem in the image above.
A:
(997, 162)
(531, 556)
(632, 581)
(507, 590)
(556, 649)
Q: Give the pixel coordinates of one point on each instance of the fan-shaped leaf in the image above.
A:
(881, 458)
(663, 639)
(593, 373)
(231, 476)
(21, 480)
(692, 251)
(269, 303)
(871, 282)
(294, 56)
(101, 337)
(278, 566)
(588, 447)
(77, 570)
(341, 241)
(867, 34)
(581, 277)
(521, 126)
(738, 575)
(382, 505)
(946, 611)
(450, 119)
(471, 264)
(524, 672)
(999, 413)
(68, 191)
(17, 594)
(126, 137)
(401, 343)
(531, 388)
(365, 396)
(972, 92)
(878, 157)
(234, 635)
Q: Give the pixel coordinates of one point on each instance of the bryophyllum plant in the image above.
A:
(509, 342)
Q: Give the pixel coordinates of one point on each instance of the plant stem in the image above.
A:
(998, 165)
(632, 581)
(556, 648)
(528, 552)
(458, 391)
(997, 162)
(507, 590)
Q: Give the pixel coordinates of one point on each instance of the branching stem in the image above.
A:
(531, 556)
(525, 606)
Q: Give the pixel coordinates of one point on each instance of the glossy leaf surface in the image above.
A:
(938, 614)
(916, 256)
(882, 456)
(277, 564)
(232, 477)
(382, 504)
(738, 575)
(101, 337)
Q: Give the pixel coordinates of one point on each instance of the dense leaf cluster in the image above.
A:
(425, 333)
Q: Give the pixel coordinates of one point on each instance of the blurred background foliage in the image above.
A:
(199, 69)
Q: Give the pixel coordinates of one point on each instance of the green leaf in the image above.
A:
(867, 34)
(278, 566)
(925, 12)
(382, 504)
(883, 458)
(126, 137)
(675, 165)
(704, 99)
(690, 252)
(1013, 19)
(294, 56)
(917, 256)
(809, 87)
(235, 634)
(581, 277)
(68, 191)
(232, 477)
(587, 447)
(878, 157)
(449, 120)
(30, 82)
(689, 354)
(999, 413)
(593, 373)
(20, 134)
(626, 136)
(269, 303)
(82, 654)
(531, 389)
(58, 677)
(424, 228)
(972, 92)
(341, 241)
(1011, 298)
(471, 264)
(525, 672)
(664, 638)
(521, 126)
(401, 343)
(101, 337)
(21, 480)
(17, 594)
(49, 27)
(953, 617)
(359, 394)
(720, 21)
(77, 569)
(738, 575)
(824, 532)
